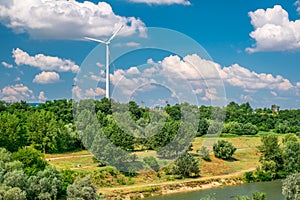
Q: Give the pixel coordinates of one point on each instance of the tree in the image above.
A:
(32, 160)
(291, 187)
(82, 189)
(45, 185)
(13, 194)
(203, 127)
(291, 156)
(186, 166)
(152, 162)
(42, 131)
(223, 149)
(271, 153)
(12, 133)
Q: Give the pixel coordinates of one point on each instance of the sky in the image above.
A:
(168, 51)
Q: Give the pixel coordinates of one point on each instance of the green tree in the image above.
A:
(32, 160)
(45, 185)
(13, 194)
(291, 187)
(186, 166)
(12, 133)
(291, 156)
(271, 153)
(223, 149)
(82, 189)
(42, 131)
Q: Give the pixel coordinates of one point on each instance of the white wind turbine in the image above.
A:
(107, 43)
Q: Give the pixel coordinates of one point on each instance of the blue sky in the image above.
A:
(210, 52)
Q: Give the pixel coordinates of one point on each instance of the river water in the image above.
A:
(272, 190)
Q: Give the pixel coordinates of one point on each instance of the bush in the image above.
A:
(223, 149)
(82, 189)
(291, 186)
(186, 166)
(204, 153)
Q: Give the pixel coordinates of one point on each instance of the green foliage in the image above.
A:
(203, 127)
(223, 149)
(32, 160)
(12, 132)
(45, 184)
(271, 154)
(291, 156)
(82, 189)
(152, 162)
(291, 187)
(255, 196)
(12, 194)
(186, 166)
(204, 153)
(68, 178)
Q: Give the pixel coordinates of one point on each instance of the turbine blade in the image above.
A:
(95, 40)
(114, 35)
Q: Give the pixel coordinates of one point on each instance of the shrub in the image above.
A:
(204, 153)
(186, 166)
(223, 149)
(291, 186)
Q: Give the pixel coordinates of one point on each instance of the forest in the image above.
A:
(106, 128)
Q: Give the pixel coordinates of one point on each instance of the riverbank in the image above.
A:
(150, 190)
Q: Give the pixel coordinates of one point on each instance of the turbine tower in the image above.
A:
(107, 43)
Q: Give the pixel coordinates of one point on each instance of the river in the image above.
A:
(272, 190)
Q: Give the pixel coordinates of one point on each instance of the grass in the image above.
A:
(246, 157)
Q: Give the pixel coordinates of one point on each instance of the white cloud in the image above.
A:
(273, 31)
(44, 62)
(162, 2)
(94, 92)
(5, 64)
(17, 79)
(128, 44)
(42, 96)
(46, 78)
(238, 76)
(87, 93)
(298, 84)
(16, 92)
(297, 3)
(61, 19)
(199, 76)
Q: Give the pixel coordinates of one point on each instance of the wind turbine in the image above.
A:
(107, 43)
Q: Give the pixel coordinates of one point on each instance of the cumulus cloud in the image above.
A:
(16, 92)
(87, 93)
(273, 31)
(203, 77)
(6, 65)
(238, 76)
(61, 19)
(46, 78)
(94, 92)
(162, 2)
(42, 96)
(44, 62)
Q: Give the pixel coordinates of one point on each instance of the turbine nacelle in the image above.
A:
(107, 43)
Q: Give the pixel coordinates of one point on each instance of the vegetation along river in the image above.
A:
(272, 190)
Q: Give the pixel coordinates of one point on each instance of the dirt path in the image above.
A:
(135, 188)
(68, 157)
